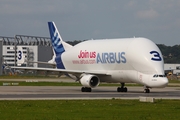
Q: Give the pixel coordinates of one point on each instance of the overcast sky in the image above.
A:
(158, 20)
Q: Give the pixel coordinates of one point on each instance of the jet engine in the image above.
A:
(89, 80)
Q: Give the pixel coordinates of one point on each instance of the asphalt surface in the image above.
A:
(61, 92)
(71, 92)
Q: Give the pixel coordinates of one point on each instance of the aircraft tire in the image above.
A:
(146, 90)
(85, 89)
(125, 89)
(89, 90)
(120, 89)
(82, 89)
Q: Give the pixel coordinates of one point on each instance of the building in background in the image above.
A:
(34, 49)
(172, 71)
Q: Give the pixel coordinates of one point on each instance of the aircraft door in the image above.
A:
(143, 78)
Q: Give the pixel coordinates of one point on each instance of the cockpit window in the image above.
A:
(155, 76)
(159, 75)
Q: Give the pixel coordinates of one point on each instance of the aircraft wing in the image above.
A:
(40, 62)
(74, 72)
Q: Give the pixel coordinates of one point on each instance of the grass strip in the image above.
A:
(23, 83)
(89, 110)
(37, 83)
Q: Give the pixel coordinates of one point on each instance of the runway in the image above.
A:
(59, 92)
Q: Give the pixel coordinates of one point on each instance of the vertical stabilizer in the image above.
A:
(56, 39)
(58, 45)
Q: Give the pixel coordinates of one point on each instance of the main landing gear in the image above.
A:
(85, 89)
(146, 89)
(122, 88)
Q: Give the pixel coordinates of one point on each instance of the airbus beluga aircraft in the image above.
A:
(125, 60)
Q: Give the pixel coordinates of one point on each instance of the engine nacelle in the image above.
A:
(89, 80)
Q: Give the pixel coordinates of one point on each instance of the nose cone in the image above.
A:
(166, 82)
(163, 82)
(159, 82)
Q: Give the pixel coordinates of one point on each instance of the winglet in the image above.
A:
(56, 39)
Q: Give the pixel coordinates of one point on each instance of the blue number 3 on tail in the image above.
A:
(156, 56)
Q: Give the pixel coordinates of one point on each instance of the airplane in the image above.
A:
(121, 60)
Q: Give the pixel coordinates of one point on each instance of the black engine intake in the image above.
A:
(89, 80)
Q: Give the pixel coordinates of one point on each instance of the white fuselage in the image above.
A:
(134, 60)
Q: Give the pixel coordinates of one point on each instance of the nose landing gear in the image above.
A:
(146, 89)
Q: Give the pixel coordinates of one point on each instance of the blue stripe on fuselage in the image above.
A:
(59, 62)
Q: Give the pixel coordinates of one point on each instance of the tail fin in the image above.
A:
(56, 39)
(58, 44)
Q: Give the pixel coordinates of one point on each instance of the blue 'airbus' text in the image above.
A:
(111, 57)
